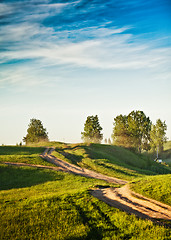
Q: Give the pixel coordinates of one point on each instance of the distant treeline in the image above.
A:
(134, 130)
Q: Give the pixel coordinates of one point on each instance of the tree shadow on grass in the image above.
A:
(20, 177)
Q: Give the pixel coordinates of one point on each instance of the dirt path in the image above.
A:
(68, 167)
(122, 198)
(134, 203)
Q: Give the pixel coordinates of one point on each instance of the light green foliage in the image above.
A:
(139, 127)
(132, 131)
(92, 130)
(59, 209)
(35, 132)
(120, 134)
(156, 187)
(158, 135)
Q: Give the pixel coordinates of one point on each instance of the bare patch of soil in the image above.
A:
(133, 203)
(68, 167)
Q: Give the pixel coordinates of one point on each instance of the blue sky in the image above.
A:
(61, 61)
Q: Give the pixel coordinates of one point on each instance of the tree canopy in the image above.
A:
(92, 130)
(132, 131)
(35, 132)
(158, 135)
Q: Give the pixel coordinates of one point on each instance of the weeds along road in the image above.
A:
(122, 198)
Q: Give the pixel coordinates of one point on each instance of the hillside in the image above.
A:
(156, 187)
(110, 160)
(45, 204)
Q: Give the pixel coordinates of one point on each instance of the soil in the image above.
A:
(122, 198)
(68, 167)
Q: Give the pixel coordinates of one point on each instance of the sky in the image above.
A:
(61, 61)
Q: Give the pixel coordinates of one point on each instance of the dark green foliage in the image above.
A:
(35, 132)
(92, 130)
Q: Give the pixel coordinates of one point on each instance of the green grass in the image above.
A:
(110, 160)
(61, 207)
(156, 187)
(28, 155)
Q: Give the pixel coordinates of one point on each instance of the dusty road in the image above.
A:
(122, 198)
(133, 203)
(68, 167)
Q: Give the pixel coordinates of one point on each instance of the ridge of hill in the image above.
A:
(110, 160)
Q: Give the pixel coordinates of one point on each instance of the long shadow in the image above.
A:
(152, 167)
(19, 177)
(96, 232)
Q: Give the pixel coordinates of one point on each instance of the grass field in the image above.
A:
(45, 204)
(156, 187)
(59, 209)
(23, 155)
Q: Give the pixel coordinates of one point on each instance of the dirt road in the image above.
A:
(122, 198)
(134, 203)
(68, 167)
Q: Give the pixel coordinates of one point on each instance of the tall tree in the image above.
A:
(35, 132)
(92, 130)
(132, 130)
(120, 134)
(139, 127)
(158, 135)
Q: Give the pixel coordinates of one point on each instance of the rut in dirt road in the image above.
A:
(133, 203)
(122, 198)
(68, 167)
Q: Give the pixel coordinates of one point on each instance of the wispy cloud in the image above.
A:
(101, 46)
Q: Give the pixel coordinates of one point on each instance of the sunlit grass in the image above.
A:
(29, 155)
(62, 208)
(110, 160)
(156, 187)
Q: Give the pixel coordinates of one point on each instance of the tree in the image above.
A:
(132, 131)
(139, 127)
(92, 130)
(120, 134)
(35, 132)
(109, 141)
(158, 135)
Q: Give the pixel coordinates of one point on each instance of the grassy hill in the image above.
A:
(110, 160)
(45, 204)
(156, 187)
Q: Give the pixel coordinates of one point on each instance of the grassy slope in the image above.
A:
(22, 155)
(58, 209)
(156, 187)
(110, 160)
(44, 204)
(166, 155)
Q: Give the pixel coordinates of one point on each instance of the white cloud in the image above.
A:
(98, 47)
